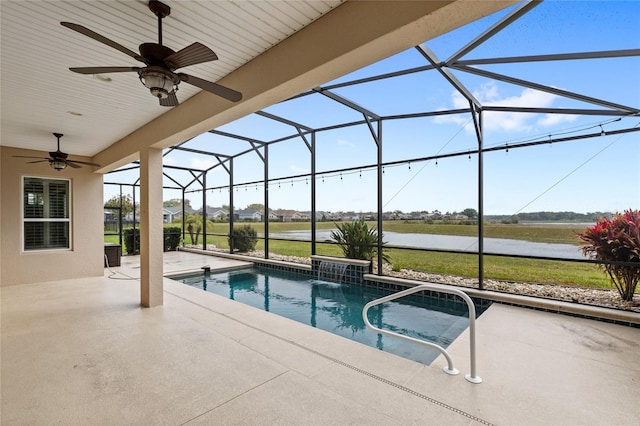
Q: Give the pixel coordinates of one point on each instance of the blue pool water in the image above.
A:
(337, 308)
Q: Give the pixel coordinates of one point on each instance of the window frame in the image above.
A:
(23, 220)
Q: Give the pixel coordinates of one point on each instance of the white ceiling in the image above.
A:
(39, 95)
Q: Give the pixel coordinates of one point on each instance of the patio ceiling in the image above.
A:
(40, 95)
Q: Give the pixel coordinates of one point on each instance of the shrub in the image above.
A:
(357, 240)
(244, 238)
(129, 240)
(618, 240)
(172, 238)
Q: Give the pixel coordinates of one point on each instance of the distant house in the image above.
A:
(169, 214)
(283, 215)
(248, 215)
(300, 217)
(218, 214)
(215, 213)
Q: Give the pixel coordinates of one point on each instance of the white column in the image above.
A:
(151, 233)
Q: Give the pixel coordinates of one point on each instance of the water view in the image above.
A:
(453, 242)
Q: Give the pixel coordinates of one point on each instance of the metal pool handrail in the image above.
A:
(472, 377)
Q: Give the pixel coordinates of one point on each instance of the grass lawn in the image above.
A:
(503, 268)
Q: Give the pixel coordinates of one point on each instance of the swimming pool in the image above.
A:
(337, 308)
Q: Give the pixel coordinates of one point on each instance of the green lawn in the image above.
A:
(503, 268)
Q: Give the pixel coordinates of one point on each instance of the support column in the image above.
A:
(151, 233)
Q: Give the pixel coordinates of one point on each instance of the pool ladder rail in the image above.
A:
(472, 376)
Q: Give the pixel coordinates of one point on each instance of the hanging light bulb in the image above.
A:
(409, 165)
(602, 132)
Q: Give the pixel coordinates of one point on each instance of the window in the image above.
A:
(46, 216)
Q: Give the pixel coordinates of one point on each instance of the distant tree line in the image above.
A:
(548, 217)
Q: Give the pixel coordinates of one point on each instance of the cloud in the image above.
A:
(554, 119)
(296, 169)
(202, 163)
(488, 94)
(343, 142)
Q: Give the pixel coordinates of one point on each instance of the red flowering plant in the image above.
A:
(616, 239)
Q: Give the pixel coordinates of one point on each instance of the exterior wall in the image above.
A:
(86, 257)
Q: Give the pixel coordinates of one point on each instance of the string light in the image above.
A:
(360, 174)
(602, 132)
(409, 165)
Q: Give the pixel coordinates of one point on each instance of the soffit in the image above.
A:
(39, 95)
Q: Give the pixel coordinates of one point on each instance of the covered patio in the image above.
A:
(81, 351)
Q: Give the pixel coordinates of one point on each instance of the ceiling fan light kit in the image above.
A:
(160, 83)
(158, 75)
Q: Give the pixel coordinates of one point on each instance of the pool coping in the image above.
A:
(601, 313)
(556, 306)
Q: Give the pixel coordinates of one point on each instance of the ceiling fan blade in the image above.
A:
(195, 53)
(102, 70)
(82, 162)
(171, 100)
(38, 161)
(72, 164)
(30, 156)
(101, 39)
(214, 88)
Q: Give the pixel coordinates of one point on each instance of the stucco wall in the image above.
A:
(86, 255)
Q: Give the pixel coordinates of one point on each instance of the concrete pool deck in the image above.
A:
(83, 352)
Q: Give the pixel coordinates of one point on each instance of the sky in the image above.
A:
(585, 175)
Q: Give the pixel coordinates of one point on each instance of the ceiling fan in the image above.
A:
(158, 75)
(58, 159)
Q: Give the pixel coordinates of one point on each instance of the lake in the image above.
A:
(454, 242)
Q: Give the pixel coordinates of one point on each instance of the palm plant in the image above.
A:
(357, 240)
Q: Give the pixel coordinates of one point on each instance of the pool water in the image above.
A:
(337, 308)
